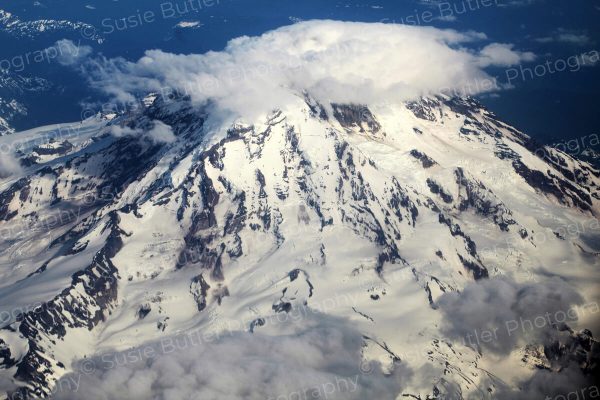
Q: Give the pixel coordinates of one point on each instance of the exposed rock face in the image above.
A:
(426, 161)
(352, 116)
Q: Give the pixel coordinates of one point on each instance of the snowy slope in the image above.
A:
(112, 238)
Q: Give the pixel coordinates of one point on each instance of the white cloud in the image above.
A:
(501, 306)
(562, 35)
(502, 316)
(68, 53)
(122, 131)
(503, 55)
(573, 38)
(159, 133)
(9, 165)
(334, 61)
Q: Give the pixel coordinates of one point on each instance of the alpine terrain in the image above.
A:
(410, 227)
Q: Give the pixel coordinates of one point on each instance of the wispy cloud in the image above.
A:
(562, 35)
(70, 53)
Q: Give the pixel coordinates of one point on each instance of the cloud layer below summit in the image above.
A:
(334, 61)
(321, 361)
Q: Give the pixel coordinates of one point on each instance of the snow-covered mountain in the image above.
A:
(124, 230)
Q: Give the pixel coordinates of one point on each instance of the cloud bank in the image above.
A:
(515, 314)
(321, 361)
(334, 61)
(500, 316)
(9, 165)
(569, 383)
